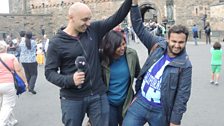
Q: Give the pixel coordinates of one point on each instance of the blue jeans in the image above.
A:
(141, 112)
(96, 107)
(115, 115)
(195, 41)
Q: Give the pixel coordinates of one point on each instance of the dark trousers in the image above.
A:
(208, 39)
(115, 115)
(31, 74)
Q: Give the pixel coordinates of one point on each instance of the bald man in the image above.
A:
(82, 90)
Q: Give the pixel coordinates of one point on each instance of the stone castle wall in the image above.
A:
(14, 23)
(52, 14)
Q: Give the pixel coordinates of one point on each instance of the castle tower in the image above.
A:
(17, 6)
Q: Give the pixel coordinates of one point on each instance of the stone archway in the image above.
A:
(149, 12)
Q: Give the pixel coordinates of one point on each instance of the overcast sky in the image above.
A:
(4, 6)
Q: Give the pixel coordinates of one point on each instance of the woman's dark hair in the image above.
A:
(28, 37)
(217, 46)
(111, 41)
(22, 33)
(10, 43)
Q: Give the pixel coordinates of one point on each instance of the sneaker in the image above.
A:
(216, 83)
(33, 92)
(212, 82)
(12, 123)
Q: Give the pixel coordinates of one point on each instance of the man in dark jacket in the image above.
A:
(81, 91)
(164, 83)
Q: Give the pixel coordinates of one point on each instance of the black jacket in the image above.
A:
(63, 50)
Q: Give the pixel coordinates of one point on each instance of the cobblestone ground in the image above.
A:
(205, 107)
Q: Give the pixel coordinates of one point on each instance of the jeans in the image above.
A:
(115, 115)
(141, 112)
(195, 41)
(96, 107)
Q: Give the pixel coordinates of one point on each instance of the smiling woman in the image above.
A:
(4, 6)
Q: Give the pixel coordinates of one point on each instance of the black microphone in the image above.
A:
(80, 63)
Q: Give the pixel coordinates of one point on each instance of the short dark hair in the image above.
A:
(217, 46)
(111, 41)
(22, 33)
(178, 29)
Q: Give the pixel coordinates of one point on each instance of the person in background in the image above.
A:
(208, 33)
(7, 87)
(133, 38)
(40, 54)
(195, 34)
(81, 91)
(22, 35)
(120, 65)
(126, 31)
(160, 30)
(216, 62)
(45, 44)
(12, 48)
(28, 59)
(164, 83)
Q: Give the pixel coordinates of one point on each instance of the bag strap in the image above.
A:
(6, 65)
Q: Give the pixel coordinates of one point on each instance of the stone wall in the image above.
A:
(185, 12)
(59, 11)
(217, 21)
(14, 23)
(16, 6)
(159, 7)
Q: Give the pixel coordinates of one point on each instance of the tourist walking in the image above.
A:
(28, 59)
(7, 87)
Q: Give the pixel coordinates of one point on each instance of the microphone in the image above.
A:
(80, 63)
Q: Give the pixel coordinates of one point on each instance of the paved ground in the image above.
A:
(205, 107)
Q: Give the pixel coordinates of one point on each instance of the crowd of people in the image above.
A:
(103, 87)
(20, 55)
